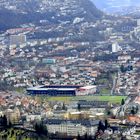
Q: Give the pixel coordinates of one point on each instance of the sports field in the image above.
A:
(111, 99)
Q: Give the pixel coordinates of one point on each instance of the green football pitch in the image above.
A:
(111, 99)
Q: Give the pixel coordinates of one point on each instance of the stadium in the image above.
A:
(62, 90)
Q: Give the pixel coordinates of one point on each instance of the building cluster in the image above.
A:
(71, 57)
(70, 118)
(59, 117)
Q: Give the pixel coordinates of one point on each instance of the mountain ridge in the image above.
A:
(53, 12)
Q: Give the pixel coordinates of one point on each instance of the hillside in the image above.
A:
(53, 12)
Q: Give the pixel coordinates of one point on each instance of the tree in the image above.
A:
(106, 124)
(64, 107)
(90, 138)
(79, 107)
(133, 111)
(41, 129)
(78, 137)
(10, 124)
(137, 109)
(101, 126)
(122, 68)
(130, 68)
(12, 132)
(85, 136)
(4, 121)
(122, 102)
(108, 112)
(36, 127)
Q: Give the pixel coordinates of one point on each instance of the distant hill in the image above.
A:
(33, 14)
(90, 8)
(10, 19)
(115, 5)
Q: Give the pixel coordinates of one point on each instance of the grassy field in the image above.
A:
(105, 91)
(20, 90)
(111, 99)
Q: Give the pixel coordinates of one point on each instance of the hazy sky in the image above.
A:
(115, 3)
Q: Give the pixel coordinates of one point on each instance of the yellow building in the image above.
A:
(13, 116)
(76, 115)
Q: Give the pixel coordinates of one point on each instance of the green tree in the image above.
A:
(78, 137)
(133, 111)
(106, 124)
(79, 107)
(41, 129)
(4, 121)
(64, 107)
(85, 136)
(122, 102)
(108, 112)
(101, 126)
(122, 68)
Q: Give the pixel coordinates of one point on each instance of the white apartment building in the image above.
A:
(72, 128)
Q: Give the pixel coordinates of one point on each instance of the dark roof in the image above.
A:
(93, 103)
(114, 128)
(87, 123)
(61, 86)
